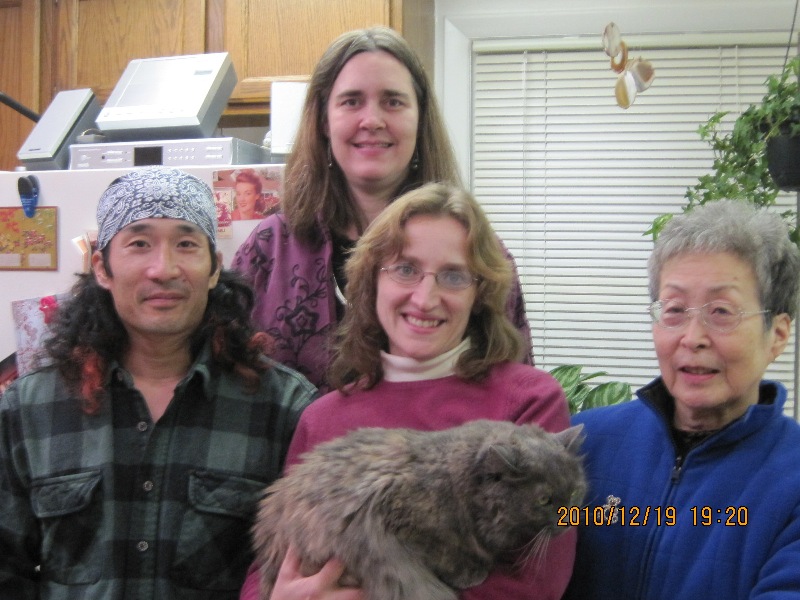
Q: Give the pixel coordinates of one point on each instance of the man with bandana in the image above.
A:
(132, 462)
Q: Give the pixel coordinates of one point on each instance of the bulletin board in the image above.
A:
(28, 243)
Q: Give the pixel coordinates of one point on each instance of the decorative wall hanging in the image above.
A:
(635, 74)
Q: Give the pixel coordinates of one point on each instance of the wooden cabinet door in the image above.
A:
(94, 40)
(270, 39)
(286, 37)
(19, 79)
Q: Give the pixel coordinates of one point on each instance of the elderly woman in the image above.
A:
(426, 343)
(695, 486)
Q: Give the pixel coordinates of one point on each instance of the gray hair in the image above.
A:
(757, 236)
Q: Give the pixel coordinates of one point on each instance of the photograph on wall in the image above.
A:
(28, 243)
(247, 193)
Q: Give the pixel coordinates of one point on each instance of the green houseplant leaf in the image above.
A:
(582, 396)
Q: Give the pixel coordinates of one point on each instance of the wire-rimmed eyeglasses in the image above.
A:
(448, 279)
(717, 315)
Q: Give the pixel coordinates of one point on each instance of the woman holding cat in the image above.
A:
(370, 130)
(426, 344)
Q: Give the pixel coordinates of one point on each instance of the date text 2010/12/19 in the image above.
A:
(635, 516)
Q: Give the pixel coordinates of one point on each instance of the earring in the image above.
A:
(415, 161)
(330, 157)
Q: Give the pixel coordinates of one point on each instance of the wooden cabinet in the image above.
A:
(88, 43)
(92, 41)
(19, 63)
(287, 37)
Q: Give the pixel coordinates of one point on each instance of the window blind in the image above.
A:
(571, 182)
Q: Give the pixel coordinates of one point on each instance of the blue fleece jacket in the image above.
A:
(722, 524)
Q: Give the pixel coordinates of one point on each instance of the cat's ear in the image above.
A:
(571, 438)
(496, 459)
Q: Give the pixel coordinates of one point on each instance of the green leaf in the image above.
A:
(658, 225)
(569, 376)
(606, 394)
(581, 396)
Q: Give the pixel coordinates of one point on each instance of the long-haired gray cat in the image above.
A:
(417, 515)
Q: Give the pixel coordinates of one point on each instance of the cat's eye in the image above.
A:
(543, 500)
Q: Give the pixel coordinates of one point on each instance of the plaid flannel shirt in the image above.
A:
(112, 505)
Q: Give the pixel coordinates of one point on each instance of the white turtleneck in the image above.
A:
(402, 368)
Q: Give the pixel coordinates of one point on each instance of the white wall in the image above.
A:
(459, 22)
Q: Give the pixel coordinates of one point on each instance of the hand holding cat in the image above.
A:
(292, 585)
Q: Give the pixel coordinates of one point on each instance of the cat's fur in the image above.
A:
(416, 515)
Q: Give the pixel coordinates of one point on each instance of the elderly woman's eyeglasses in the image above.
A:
(448, 279)
(717, 315)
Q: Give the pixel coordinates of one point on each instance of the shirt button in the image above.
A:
(147, 486)
(142, 426)
(142, 546)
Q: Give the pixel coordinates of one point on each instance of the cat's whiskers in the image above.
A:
(534, 550)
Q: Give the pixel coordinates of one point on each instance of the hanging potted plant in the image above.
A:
(759, 157)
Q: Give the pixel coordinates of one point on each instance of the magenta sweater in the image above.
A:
(512, 392)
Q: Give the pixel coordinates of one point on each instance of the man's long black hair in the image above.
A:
(87, 334)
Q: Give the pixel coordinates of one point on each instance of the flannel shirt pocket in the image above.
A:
(213, 549)
(69, 517)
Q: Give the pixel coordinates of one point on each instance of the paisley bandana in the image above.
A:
(155, 193)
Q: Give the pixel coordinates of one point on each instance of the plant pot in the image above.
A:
(783, 160)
